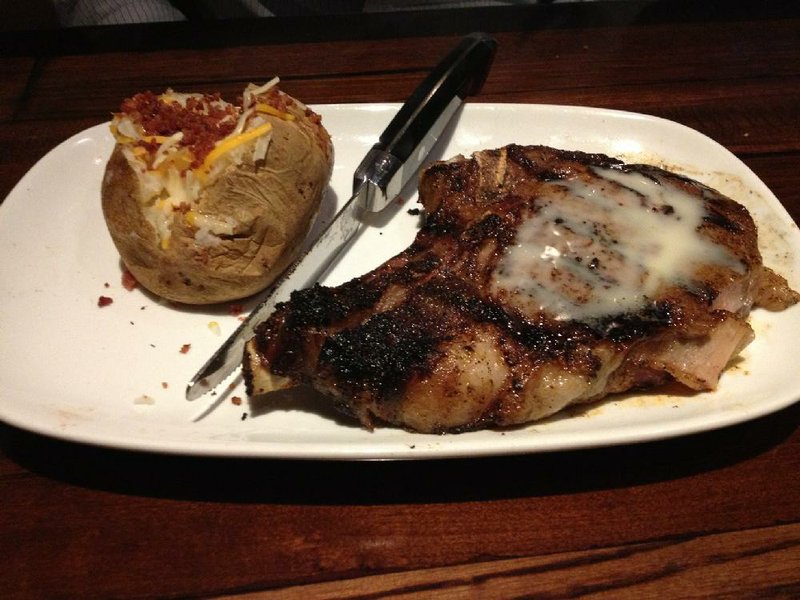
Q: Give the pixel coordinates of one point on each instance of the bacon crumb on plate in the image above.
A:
(185, 348)
(104, 301)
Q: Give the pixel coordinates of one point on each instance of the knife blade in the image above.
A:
(390, 163)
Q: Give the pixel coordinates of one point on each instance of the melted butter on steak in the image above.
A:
(603, 244)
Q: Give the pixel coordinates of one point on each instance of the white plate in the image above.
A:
(115, 376)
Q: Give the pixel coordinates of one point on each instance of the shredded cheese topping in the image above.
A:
(271, 110)
(228, 144)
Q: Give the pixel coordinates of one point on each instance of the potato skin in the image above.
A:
(273, 204)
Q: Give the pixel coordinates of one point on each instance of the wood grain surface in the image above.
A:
(713, 514)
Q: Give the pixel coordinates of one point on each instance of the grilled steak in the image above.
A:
(540, 278)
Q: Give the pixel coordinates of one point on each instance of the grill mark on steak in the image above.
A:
(715, 218)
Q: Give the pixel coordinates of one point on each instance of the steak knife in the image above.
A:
(390, 163)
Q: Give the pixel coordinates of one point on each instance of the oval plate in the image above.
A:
(115, 376)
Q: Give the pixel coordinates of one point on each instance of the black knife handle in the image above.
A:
(408, 138)
(461, 73)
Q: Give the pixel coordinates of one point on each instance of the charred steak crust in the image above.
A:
(432, 342)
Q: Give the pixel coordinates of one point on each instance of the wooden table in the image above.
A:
(713, 513)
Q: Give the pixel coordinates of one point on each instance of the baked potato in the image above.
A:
(208, 201)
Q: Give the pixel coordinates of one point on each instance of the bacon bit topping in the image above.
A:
(128, 280)
(236, 400)
(313, 117)
(104, 301)
(164, 384)
(185, 348)
(202, 121)
(235, 310)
